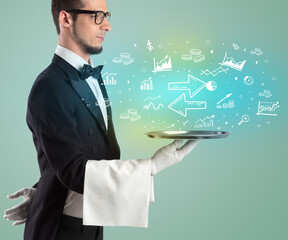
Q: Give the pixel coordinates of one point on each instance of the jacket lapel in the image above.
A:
(83, 90)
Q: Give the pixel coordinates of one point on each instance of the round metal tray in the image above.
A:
(188, 134)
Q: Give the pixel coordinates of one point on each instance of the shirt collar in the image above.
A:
(72, 58)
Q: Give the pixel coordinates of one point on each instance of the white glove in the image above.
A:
(171, 154)
(19, 213)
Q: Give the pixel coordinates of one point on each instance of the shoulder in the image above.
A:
(51, 86)
(51, 76)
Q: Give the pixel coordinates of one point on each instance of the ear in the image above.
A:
(65, 19)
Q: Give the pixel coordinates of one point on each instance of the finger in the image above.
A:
(19, 222)
(177, 143)
(17, 215)
(15, 218)
(16, 208)
(17, 194)
(188, 147)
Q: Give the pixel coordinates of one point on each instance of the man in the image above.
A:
(82, 186)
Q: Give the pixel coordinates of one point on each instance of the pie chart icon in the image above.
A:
(211, 86)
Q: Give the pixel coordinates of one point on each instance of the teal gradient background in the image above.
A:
(234, 188)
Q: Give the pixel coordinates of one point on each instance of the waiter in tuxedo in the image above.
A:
(83, 185)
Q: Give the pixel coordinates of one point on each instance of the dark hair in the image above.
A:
(58, 5)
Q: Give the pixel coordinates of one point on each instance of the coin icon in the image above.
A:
(195, 51)
(186, 57)
(199, 59)
(125, 55)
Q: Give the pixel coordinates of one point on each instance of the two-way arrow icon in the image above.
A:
(181, 105)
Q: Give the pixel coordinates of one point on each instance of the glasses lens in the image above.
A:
(99, 17)
(108, 16)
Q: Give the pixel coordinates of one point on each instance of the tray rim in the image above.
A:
(214, 135)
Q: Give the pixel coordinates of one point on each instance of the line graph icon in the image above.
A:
(152, 99)
(267, 108)
(152, 105)
(231, 63)
(163, 65)
(215, 72)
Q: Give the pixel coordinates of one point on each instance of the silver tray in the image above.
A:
(188, 134)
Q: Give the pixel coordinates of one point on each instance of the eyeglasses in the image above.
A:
(99, 15)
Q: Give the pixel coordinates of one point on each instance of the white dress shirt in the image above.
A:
(116, 193)
(77, 62)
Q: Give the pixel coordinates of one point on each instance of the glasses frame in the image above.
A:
(106, 15)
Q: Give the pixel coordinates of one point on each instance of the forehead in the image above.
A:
(95, 5)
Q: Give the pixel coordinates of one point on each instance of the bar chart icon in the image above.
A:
(108, 78)
(206, 122)
(146, 85)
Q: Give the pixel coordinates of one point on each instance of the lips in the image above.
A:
(100, 38)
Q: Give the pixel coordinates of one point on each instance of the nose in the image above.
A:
(105, 25)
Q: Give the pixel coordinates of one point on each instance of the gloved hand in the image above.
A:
(171, 154)
(19, 213)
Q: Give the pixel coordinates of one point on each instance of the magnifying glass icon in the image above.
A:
(245, 118)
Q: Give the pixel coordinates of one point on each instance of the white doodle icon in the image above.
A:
(230, 104)
(197, 56)
(235, 46)
(187, 86)
(267, 108)
(230, 62)
(151, 104)
(131, 114)
(265, 93)
(163, 65)
(147, 84)
(214, 72)
(108, 78)
(149, 46)
(256, 51)
(245, 118)
(249, 80)
(206, 122)
(124, 58)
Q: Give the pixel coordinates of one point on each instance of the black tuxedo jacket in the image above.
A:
(68, 130)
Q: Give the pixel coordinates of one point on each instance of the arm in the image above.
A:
(51, 119)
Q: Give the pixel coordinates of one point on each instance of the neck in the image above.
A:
(74, 47)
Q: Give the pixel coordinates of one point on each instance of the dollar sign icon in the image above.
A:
(149, 46)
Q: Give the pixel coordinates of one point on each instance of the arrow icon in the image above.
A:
(181, 105)
(189, 85)
(227, 96)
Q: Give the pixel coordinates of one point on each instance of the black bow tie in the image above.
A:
(88, 71)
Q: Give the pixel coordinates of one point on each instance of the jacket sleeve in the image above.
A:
(50, 117)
